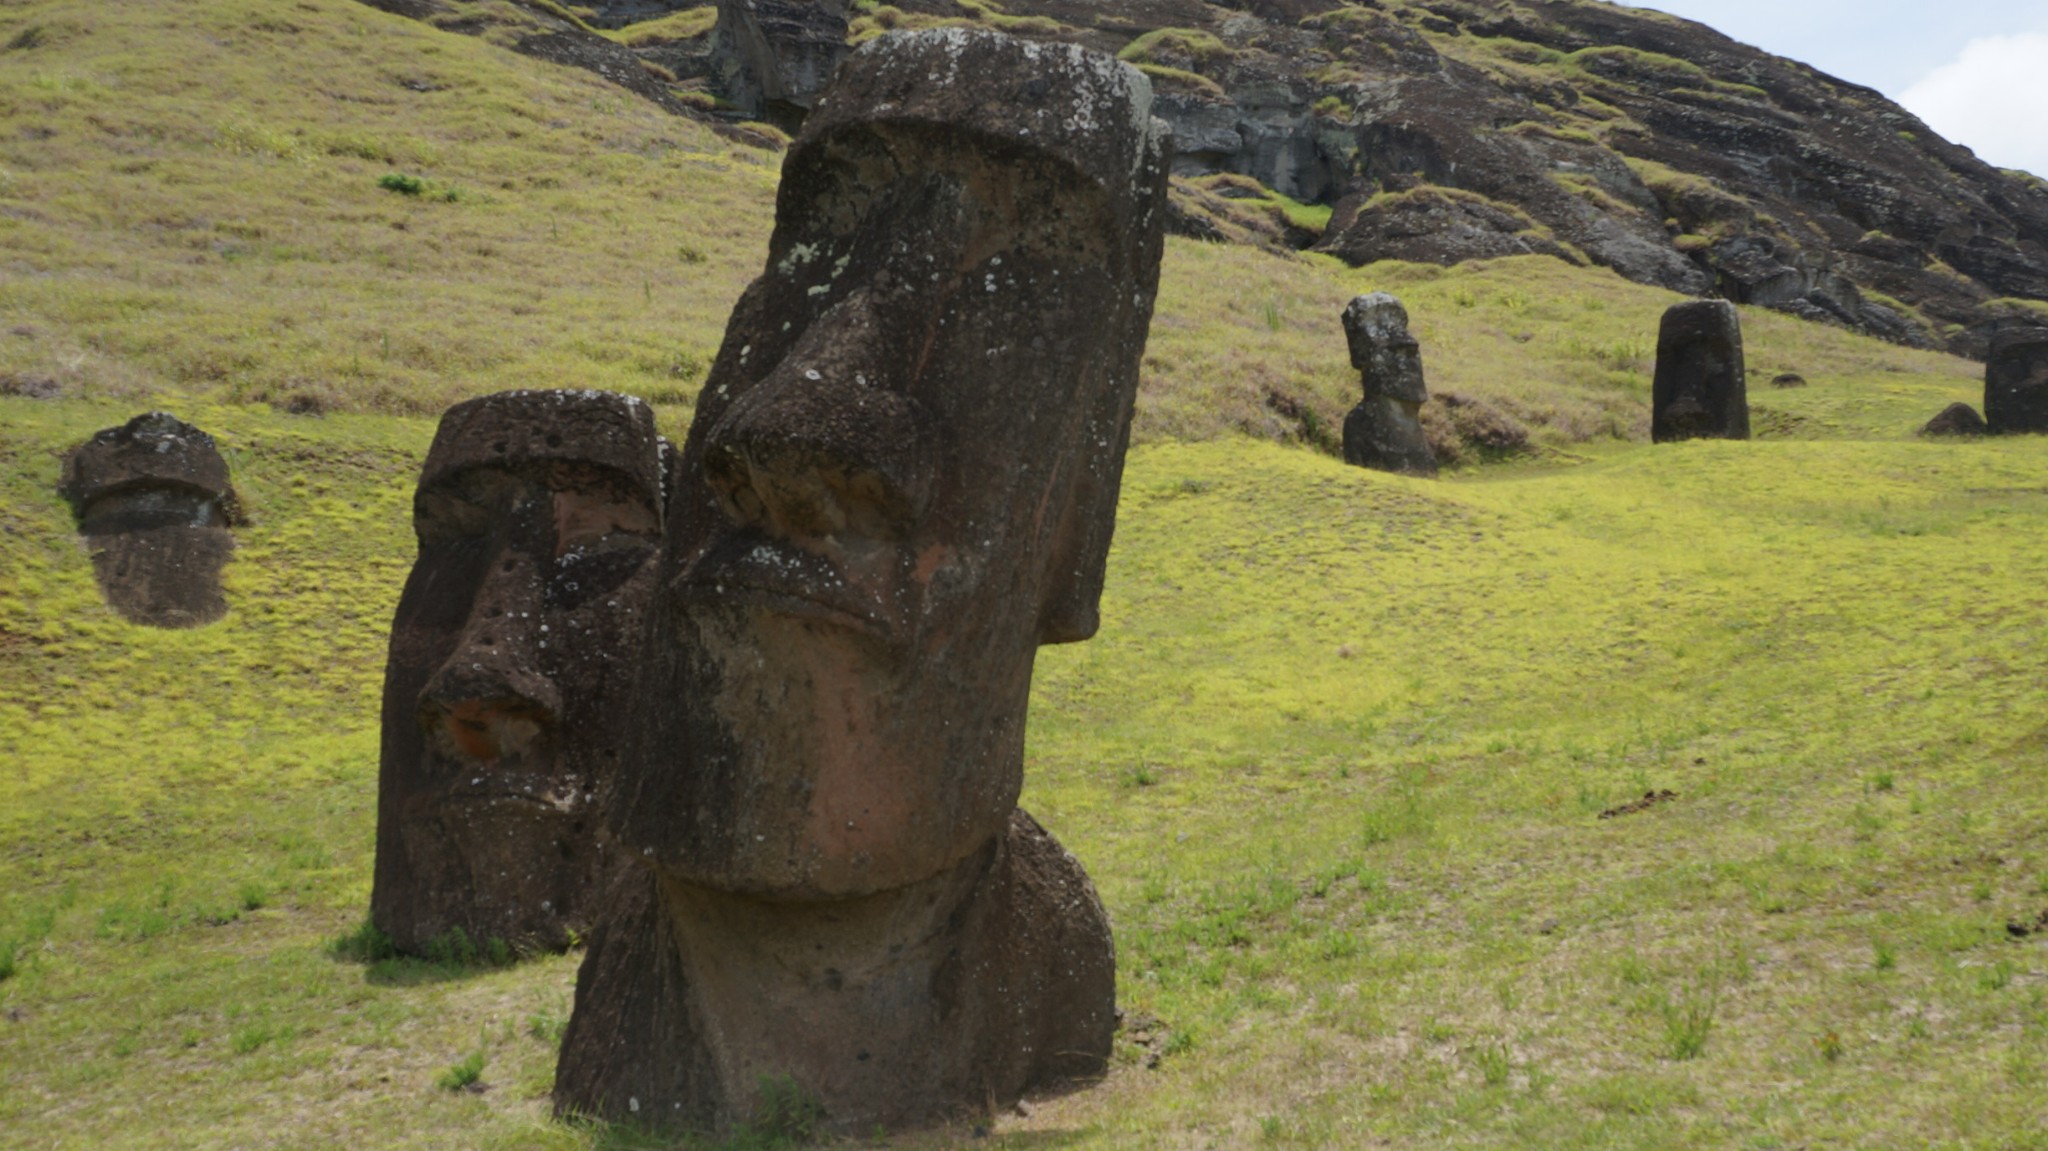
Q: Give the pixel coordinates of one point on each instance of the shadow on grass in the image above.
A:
(617, 1137)
(444, 958)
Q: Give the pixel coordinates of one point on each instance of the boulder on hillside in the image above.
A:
(1955, 420)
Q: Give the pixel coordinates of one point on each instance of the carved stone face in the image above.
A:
(902, 473)
(1387, 356)
(2016, 381)
(1700, 390)
(154, 505)
(538, 516)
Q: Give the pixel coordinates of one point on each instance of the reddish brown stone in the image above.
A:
(901, 479)
(538, 515)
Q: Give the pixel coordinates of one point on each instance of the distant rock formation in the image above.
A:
(1384, 432)
(1700, 390)
(154, 506)
(2016, 381)
(773, 57)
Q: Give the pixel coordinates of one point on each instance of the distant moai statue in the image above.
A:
(154, 504)
(2016, 381)
(1384, 432)
(901, 480)
(538, 515)
(1700, 390)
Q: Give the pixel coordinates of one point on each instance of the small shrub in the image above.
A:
(1885, 957)
(1829, 1044)
(401, 183)
(784, 1110)
(463, 1073)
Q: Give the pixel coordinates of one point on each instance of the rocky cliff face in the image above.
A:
(1445, 130)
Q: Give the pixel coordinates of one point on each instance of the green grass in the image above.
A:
(1335, 760)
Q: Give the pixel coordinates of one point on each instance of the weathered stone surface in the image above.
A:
(2016, 381)
(154, 504)
(1700, 390)
(538, 515)
(773, 57)
(1384, 431)
(1429, 226)
(900, 480)
(1955, 420)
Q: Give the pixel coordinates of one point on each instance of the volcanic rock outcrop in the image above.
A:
(1955, 420)
(1700, 390)
(2016, 381)
(1447, 130)
(155, 507)
(517, 636)
(900, 480)
(1384, 432)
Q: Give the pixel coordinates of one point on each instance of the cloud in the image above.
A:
(1993, 97)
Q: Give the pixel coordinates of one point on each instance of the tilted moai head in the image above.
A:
(539, 518)
(901, 480)
(155, 506)
(903, 469)
(1700, 390)
(2016, 381)
(1384, 431)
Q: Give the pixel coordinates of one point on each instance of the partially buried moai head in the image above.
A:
(902, 474)
(538, 515)
(154, 504)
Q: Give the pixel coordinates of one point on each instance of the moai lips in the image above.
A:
(900, 481)
(538, 515)
(1700, 390)
(155, 506)
(1384, 432)
(2016, 381)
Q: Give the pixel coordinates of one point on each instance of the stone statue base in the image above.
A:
(695, 1008)
(1385, 434)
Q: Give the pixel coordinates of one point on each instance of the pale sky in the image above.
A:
(1975, 70)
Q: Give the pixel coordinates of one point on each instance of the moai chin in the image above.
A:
(901, 480)
(539, 517)
(1700, 390)
(2016, 381)
(1384, 432)
(154, 505)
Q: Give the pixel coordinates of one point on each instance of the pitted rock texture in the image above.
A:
(538, 515)
(155, 507)
(1384, 432)
(1701, 389)
(2016, 381)
(901, 479)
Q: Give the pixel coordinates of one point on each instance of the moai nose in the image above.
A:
(491, 699)
(818, 451)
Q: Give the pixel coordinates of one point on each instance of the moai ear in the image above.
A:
(1081, 548)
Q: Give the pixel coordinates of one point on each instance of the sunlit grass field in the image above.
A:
(1337, 760)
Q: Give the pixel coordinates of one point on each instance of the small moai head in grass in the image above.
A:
(155, 507)
(900, 481)
(1700, 390)
(2016, 381)
(1384, 432)
(538, 515)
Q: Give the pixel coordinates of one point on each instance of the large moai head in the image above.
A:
(903, 470)
(2016, 381)
(539, 517)
(154, 504)
(1700, 390)
(1384, 432)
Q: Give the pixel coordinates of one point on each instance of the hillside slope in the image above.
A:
(1338, 760)
(1445, 130)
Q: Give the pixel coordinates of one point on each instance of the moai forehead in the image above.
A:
(155, 450)
(531, 430)
(1374, 321)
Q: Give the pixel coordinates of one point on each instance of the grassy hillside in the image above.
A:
(1337, 760)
